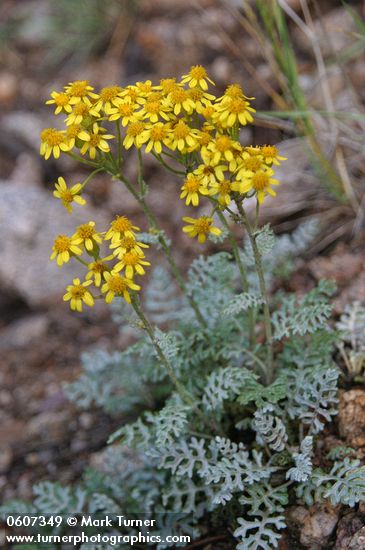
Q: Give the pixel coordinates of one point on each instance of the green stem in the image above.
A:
(236, 251)
(119, 138)
(80, 159)
(184, 394)
(141, 181)
(91, 176)
(263, 290)
(167, 166)
(165, 247)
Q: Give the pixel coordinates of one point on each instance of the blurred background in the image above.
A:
(303, 61)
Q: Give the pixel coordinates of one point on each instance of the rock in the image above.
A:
(27, 171)
(24, 126)
(8, 88)
(30, 219)
(358, 540)
(315, 524)
(6, 457)
(23, 332)
(49, 425)
(349, 525)
(351, 417)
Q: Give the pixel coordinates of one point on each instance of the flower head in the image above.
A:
(193, 186)
(62, 102)
(260, 182)
(270, 154)
(53, 141)
(116, 285)
(87, 235)
(68, 195)
(119, 228)
(77, 294)
(127, 244)
(97, 269)
(94, 140)
(63, 248)
(200, 228)
(132, 262)
(79, 90)
(197, 76)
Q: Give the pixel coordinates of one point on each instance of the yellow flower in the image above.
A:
(201, 100)
(178, 100)
(197, 76)
(210, 175)
(108, 97)
(234, 111)
(123, 110)
(87, 236)
(223, 189)
(182, 137)
(167, 85)
(72, 133)
(95, 140)
(233, 91)
(127, 244)
(156, 136)
(62, 102)
(153, 110)
(200, 227)
(63, 248)
(144, 88)
(134, 135)
(81, 110)
(116, 285)
(119, 228)
(220, 148)
(97, 269)
(77, 294)
(53, 141)
(193, 185)
(79, 90)
(260, 182)
(68, 195)
(270, 154)
(131, 262)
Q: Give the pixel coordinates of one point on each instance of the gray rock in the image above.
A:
(23, 332)
(30, 219)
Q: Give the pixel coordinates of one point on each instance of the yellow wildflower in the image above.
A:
(156, 136)
(220, 148)
(192, 187)
(223, 189)
(97, 269)
(167, 85)
(62, 102)
(179, 100)
(79, 90)
(182, 137)
(94, 140)
(108, 97)
(116, 285)
(210, 175)
(200, 227)
(63, 248)
(270, 154)
(260, 182)
(135, 135)
(197, 76)
(119, 228)
(87, 235)
(201, 100)
(78, 294)
(72, 133)
(131, 262)
(68, 195)
(234, 111)
(144, 88)
(127, 244)
(123, 110)
(153, 110)
(53, 141)
(81, 110)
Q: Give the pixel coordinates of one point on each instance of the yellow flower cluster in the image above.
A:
(111, 275)
(180, 122)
